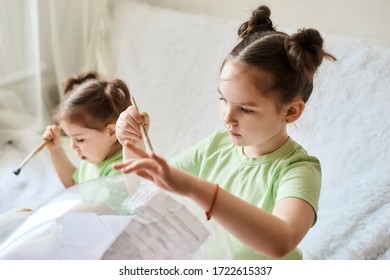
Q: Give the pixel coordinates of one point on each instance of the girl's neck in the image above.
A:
(267, 147)
(115, 148)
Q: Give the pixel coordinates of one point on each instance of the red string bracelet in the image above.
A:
(208, 213)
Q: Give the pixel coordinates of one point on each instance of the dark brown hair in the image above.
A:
(91, 101)
(292, 60)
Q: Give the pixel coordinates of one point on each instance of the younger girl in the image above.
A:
(252, 178)
(88, 115)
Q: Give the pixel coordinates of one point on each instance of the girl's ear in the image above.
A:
(294, 110)
(111, 130)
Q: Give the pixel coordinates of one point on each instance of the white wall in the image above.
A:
(355, 18)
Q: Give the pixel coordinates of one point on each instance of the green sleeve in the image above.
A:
(302, 180)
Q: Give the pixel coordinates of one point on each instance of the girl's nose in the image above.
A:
(229, 118)
(73, 144)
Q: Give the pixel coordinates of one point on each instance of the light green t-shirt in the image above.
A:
(88, 171)
(263, 181)
(110, 196)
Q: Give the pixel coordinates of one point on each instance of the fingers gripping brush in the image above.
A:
(33, 153)
(144, 133)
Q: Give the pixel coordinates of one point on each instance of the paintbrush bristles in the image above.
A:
(17, 171)
(36, 150)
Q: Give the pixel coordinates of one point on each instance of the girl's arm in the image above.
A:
(273, 235)
(63, 166)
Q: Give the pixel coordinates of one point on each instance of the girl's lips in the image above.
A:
(81, 157)
(233, 134)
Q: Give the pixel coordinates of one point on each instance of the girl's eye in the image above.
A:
(79, 140)
(246, 110)
(222, 99)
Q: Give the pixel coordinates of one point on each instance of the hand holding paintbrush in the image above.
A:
(48, 137)
(144, 133)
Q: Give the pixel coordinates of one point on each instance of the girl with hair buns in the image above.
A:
(252, 178)
(87, 114)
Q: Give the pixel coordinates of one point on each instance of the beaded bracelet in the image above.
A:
(208, 213)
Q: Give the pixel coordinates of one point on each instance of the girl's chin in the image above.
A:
(89, 160)
(238, 142)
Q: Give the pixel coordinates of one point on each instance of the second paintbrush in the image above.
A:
(143, 130)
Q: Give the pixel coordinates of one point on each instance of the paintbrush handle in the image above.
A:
(35, 151)
(145, 136)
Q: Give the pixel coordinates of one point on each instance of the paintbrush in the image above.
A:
(34, 152)
(143, 130)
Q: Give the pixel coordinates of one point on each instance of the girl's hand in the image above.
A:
(53, 137)
(127, 126)
(153, 168)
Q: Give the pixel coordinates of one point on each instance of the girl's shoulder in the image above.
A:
(216, 141)
(220, 137)
(300, 153)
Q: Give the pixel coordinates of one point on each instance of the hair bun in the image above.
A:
(116, 90)
(70, 83)
(259, 21)
(304, 50)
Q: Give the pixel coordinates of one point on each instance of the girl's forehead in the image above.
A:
(234, 71)
(73, 129)
(245, 79)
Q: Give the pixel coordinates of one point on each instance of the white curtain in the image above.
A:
(42, 42)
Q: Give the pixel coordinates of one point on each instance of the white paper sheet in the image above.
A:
(156, 225)
(162, 229)
(86, 236)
